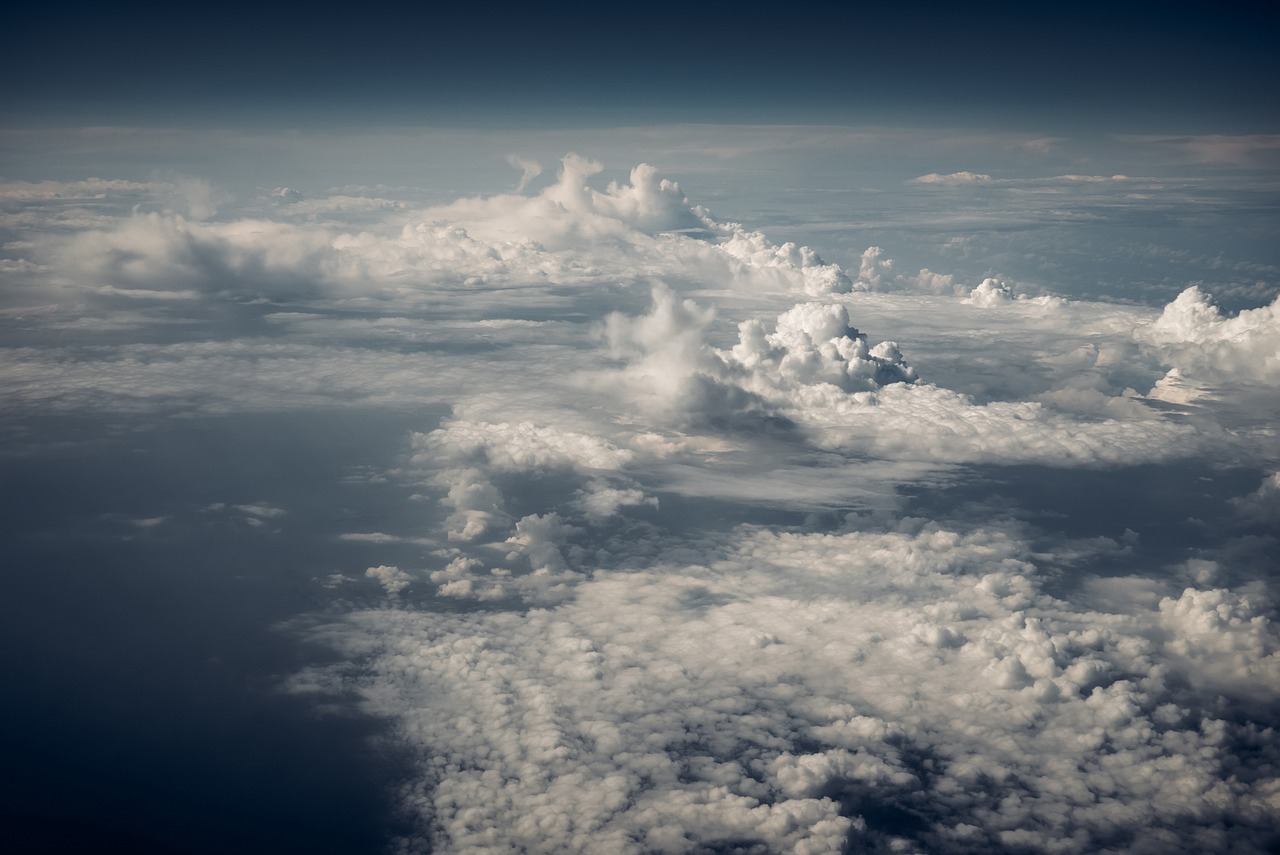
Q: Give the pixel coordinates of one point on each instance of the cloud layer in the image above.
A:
(664, 593)
(793, 692)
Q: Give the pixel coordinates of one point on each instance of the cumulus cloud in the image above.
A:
(799, 265)
(991, 293)
(1263, 504)
(393, 579)
(811, 344)
(1195, 336)
(464, 457)
(817, 372)
(805, 693)
(569, 232)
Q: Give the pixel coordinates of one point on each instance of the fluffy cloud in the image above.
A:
(567, 233)
(1197, 338)
(393, 579)
(1263, 504)
(815, 371)
(802, 693)
(798, 266)
(814, 343)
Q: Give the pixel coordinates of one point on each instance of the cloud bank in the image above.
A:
(669, 589)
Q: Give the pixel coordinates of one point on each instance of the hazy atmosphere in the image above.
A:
(750, 430)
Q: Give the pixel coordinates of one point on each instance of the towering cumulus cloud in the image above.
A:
(718, 547)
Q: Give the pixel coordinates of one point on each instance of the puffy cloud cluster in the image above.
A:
(799, 266)
(813, 343)
(1194, 335)
(991, 293)
(569, 232)
(911, 690)
(478, 465)
(393, 579)
(815, 371)
(1263, 504)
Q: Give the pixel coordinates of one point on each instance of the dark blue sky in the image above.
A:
(1175, 67)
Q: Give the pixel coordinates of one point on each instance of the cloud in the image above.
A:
(991, 293)
(811, 344)
(393, 579)
(530, 169)
(194, 198)
(1263, 504)
(799, 266)
(257, 515)
(952, 178)
(1194, 335)
(1235, 150)
(261, 511)
(791, 692)
(815, 371)
(379, 537)
(569, 233)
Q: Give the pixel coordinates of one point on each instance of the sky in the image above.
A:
(1173, 66)
(743, 429)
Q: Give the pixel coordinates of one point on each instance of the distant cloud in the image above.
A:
(952, 178)
(963, 178)
(1234, 150)
(393, 579)
(261, 511)
(378, 537)
(1263, 504)
(530, 169)
(991, 292)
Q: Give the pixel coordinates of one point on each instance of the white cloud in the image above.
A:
(952, 178)
(599, 500)
(530, 169)
(743, 695)
(464, 457)
(799, 267)
(262, 511)
(1263, 504)
(393, 579)
(991, 293)
(379, 537)
(567, 233)
(817, 372)
(1197, 338)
